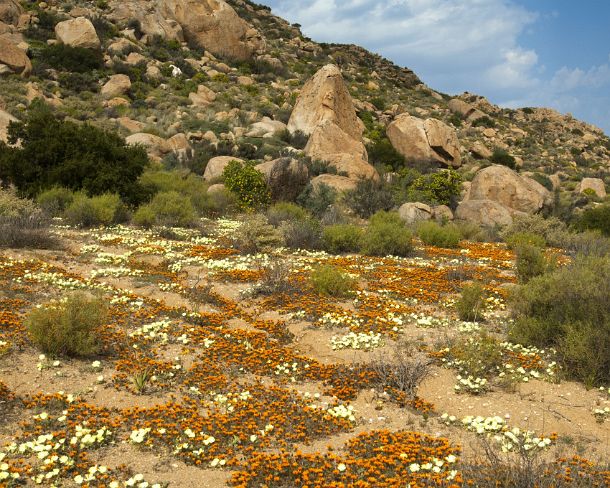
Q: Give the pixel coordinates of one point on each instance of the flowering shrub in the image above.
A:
(247, 183)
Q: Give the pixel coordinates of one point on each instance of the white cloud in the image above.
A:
(455, 46)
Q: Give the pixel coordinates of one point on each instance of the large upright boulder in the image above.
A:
(5, 120)
(464, 109)
(77, 32)
(596, 185)
(511, 190)
(484, 212)
(425, 140)
(152, 22)
(14, 58)
(155, 146)
(326, 98)
(216, 167)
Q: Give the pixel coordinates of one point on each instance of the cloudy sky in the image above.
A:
(553, 53)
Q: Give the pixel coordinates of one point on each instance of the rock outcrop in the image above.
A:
(155, 146)
(412, 212)
(325, 98)
(425, 140)
(117, 85)
(10, 11)
(484, 212)
(14, 58)
(203, 97)
(509, 189)
(216, 166)
(325, 111)
(595, 184)
(266, 128)
(467, 111)
(77, 32)
(212, 24)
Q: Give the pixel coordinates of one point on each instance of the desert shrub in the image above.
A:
(301, 233)
(256, 235)
(79, 82)
(530, 262)
(434, 234)
(596, 218)
(69, 327)
(247, 183)
(55, 201)
(67, 58)
(368, 198)
(544, 180)
(22, 224)
(382, 153)
(442, 187)
(478, 356)
(317, 200)
(471, 304)
(169, 209)
(53, 153)
(551, 229)
(518, 239)
(87, 211)
(588, 243)
(402, 372)
(297, 139)
(275, 279)
(331, 281)
(386, 235)
(569, 309)
(501, 156)
(341, 238)
(484, 122)
(281, 212)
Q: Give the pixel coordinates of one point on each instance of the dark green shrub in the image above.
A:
(501, 156)
(484, 122)
(69, 327)
(169, 208)
(247, 183)
(551, 229)
(569, 309)
(55, 201)
(386, 235)
(530, 262)
(514, 241)
(79, 82)
(317, 200)
(59, 153)
(87, 211)
(331, 281)
(434, 234)
(382, 153)
(341, 238)
(368, 198)
(442, 187)
(297, 139)
(596, 218)
(471, 303)
(544, 180)
(67, 58)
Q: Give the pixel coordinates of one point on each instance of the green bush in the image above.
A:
(501, 156)
(67, 58)
(442, 187)
(551, 229)
(382, 153)
(569, 309)
(69, 327)
(386, 235)
(169, 208)
(55, 201)
(530, 262)
(256, 235)
(434, 234)
(517, 239)
(87, 211)
(22, 224)
(341, 238)
(281, 212)
(317, 200)
(471, 303)
(596, 218)
(331, 281)
(53, 153)
(368, 198)
(302, 234)
(247, 183)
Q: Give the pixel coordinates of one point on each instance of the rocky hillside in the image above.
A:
(192, 80)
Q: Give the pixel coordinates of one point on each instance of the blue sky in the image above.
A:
(551, 53)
